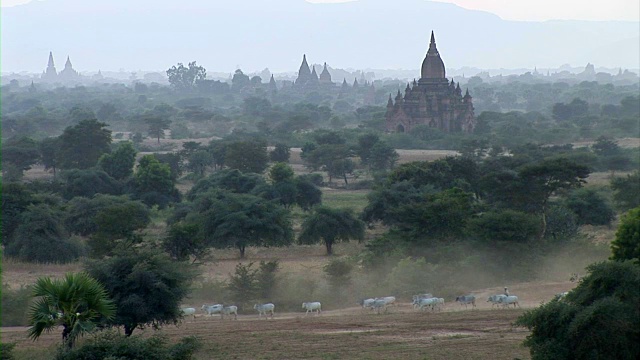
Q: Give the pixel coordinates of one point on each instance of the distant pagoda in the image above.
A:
(50, 74)
(431, 101)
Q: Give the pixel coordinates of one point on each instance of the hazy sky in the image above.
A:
(533, 10)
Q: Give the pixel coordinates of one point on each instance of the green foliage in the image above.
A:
(117, 222)
(157, 125)
(76, 302)
(110, 345)
(562, 223)
(280, 153)
(199, 161)
(626, 245)
(15, 201)
(146, 286)
(87, 183)
(280, 172)
(119, 164)
(154, 183)
(382, 157)
(21, 153)
(441, 216)
(338, 272)
(308, 194)
(243, 284)
(411, 276)
(504, 225)
(626, 191)
(590, 207)
(329, 226)
(82, 145)
(229, 180)
(82, 212)
(247, 156)
(185, 241)
(49, 148)
(6, 351)
(15, 303)
(186, 77)
(40, 237)
(241, 220)
(581, 325)
(267, 279)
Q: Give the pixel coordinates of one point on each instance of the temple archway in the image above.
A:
(400, 128)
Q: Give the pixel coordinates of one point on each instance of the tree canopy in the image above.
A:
(329, 226)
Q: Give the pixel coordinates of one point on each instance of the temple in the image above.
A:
(68, 74)
(432, 101)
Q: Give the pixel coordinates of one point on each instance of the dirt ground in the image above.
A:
(400, 333)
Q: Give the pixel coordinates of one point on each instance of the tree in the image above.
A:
(280, 172)
(40, 237)
(157, 126)
(119, 164)
(185, 241)
(117, 222)
(146, 286)
(198, 162)
(15, 201)
(308, 194)
(626, 245)
(590, 207)
(186, 78)
(239, 80)
(266, 278)
(82, 145)
(76, 302)
(21, 153)
(505, 225)
(241, 220)
(365, 144)
(626, 192)
(330, 226)
(153, 182)
(49, 148)
(247, 156)
(88, 183)
(280, 153)
(243, 284)
(382, 157)
(545, 178)
(581, 325)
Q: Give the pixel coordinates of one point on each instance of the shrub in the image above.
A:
(338, 272)
(583, 324)
(589, 207)
(15, 303)
(109, 345)
(504, 225)
(6, 351)
(626, 245)
(243, 284)
(562, 223)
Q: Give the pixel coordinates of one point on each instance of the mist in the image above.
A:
(253, 35)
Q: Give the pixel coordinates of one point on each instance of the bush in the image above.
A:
(590, 207)
(599, 319)
(109, 345)
(338, 272)
(626, 245)
(15, 303)
(243, 284)
(6, 351)
(562, 223)
(504, 225)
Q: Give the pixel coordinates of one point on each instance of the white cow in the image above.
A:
(228, 310)
(366, 303)
(264, 309)
(311, 307)
(495, 299)
(389, 300)
(466, 300)
(430, 302)
(379, 304)
(188, 312)
(212, 309)
(508, 300)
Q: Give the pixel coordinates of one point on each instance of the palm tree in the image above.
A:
(330, 225)
(77, 302)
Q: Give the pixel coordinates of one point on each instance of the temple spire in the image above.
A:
(68, 63)
(51, 64)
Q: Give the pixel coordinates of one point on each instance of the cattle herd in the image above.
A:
(420, 302)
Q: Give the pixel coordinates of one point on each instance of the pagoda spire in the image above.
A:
(390, 102)
(68, 63)
(50, 64)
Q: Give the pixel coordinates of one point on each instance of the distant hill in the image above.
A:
(254, 34)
